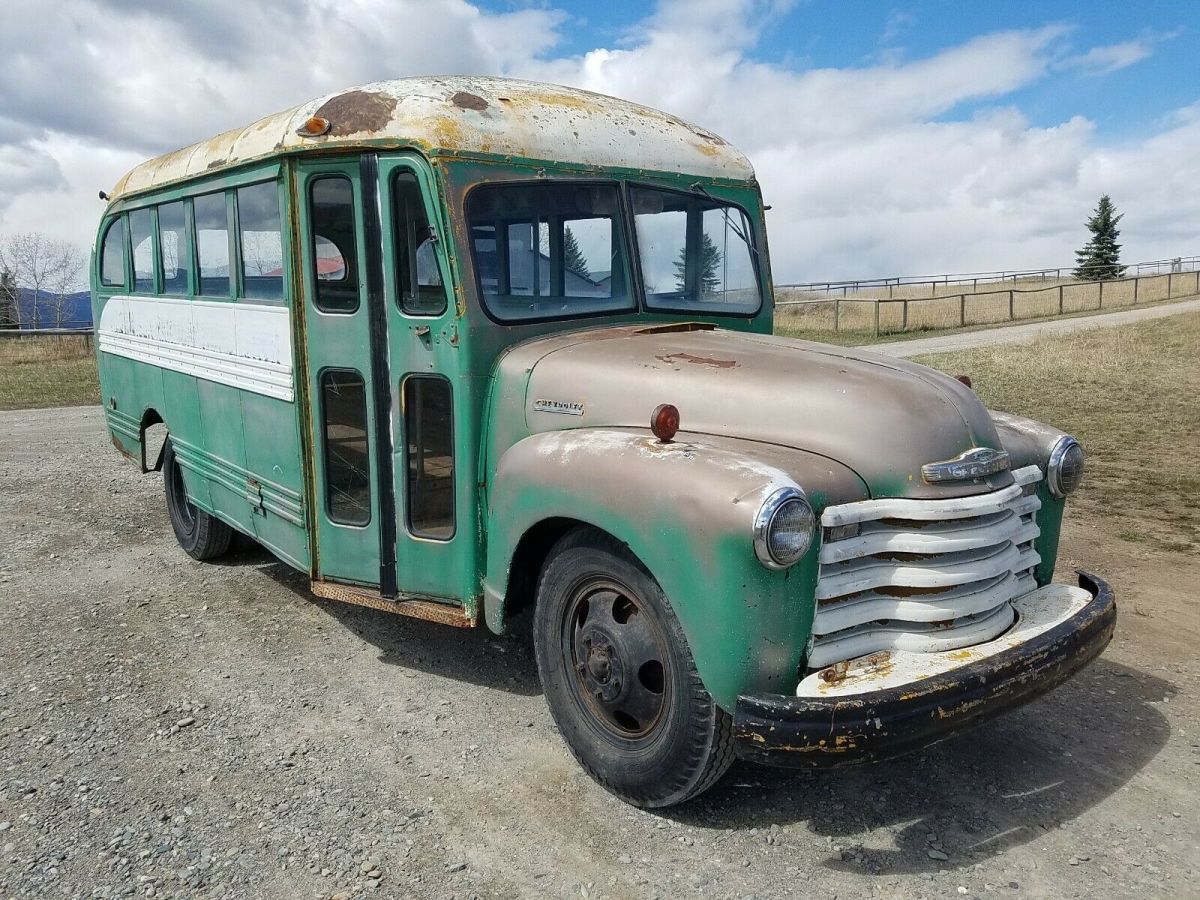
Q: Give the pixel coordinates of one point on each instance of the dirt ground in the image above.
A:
(171, 728)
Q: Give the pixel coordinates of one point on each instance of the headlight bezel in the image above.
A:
(1054, 466)
(765, 518)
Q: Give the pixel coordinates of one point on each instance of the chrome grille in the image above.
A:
(924, 575)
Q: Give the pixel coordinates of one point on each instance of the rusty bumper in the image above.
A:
(813, 732)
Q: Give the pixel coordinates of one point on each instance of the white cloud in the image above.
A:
(1103, 60)
(871, 169)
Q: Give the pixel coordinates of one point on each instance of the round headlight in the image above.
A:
(1065, 469)
(783, 528)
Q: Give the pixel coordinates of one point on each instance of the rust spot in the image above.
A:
(356, 111)
(672, 358)
(463, 100)
(120, 447)
(215, 164)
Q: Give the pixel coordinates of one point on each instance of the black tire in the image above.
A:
(607, 645)
(201, 535)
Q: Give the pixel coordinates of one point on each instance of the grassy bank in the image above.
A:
(1131, 395)
(47, 371)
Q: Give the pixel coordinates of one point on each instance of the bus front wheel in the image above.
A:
(619, 678)
(201, 535)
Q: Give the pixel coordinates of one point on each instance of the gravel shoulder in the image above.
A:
(171, 728)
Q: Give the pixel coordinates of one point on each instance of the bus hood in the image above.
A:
(882, 417)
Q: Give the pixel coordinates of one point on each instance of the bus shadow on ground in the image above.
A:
(470, 655)
(1001, 785)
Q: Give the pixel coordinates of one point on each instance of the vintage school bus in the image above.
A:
(462, 347)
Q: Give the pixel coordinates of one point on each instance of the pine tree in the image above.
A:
(1100, 257)
(710, 262)
(8, 299)
(573, 258)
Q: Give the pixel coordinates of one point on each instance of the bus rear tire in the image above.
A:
(201, 535)
(619, 678)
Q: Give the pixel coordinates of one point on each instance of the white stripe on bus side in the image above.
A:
(244, 345)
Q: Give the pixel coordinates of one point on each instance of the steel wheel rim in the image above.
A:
(617, 654)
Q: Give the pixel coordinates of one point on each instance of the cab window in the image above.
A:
(418, 278)
(112, 255)
(333, 250)
(141, 231)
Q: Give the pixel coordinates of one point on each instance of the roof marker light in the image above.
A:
(664, 422)
(314, 126)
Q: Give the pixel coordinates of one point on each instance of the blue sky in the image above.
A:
(838, 35)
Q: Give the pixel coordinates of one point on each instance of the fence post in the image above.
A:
(904, 325)
(1010, 303)
(837, 309)
(1137, 279)
(876, 318)
(1101, 306)
(1060, 300)
(1170, 281)
(962, 310)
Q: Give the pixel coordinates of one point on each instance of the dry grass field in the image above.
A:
(1130, 394)
(47, 370)
(954, 306)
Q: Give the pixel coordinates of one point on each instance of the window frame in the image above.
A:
(155, 262)
(755, 254)
(621, 216)
(324, 421)
(230, 243)
(350, 259)
(399, 245)
(408, 494)
(123, 286)
(239, 293)
(190, 292)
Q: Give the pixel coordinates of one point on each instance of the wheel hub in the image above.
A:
(617, 654)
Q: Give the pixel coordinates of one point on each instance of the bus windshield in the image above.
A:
(549, 251)
(696, 253)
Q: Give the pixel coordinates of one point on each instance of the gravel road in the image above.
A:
(1019, 334)
(177, 729)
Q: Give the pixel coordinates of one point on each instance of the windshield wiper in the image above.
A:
(724, 207)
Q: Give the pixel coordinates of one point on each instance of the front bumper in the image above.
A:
(851, 726)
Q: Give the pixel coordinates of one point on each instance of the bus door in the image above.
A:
(432, 434)
(352, 500)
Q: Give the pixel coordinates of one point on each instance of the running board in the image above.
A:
(444, 613)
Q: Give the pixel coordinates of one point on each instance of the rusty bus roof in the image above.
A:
(464, 114)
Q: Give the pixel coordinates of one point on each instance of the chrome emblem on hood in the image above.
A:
(974, 463)
(562, 407)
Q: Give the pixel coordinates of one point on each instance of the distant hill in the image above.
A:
(76, 310)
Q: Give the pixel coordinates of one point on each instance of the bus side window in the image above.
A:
(334, 254)
(112, 255)
(417, 276)
(262, 244)
(429, 438)
(212, 243)
(141, 230)
(174, 247)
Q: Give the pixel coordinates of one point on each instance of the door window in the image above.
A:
(429, 438)
(334, 255)
(347, 452)
(418, 279)
(112, 256)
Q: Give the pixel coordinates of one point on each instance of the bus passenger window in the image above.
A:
(262, 246)
(347, 455)
(334, 257)
(141, 229)
(174, 247)
(417, 275)
(112, 257)
(429, 438)
(212, 244)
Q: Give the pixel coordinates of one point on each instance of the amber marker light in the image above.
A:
(664, 422)
(314, 126)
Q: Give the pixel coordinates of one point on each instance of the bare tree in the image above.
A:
(49, 268)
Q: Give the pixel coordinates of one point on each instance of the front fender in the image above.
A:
(686, 510)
